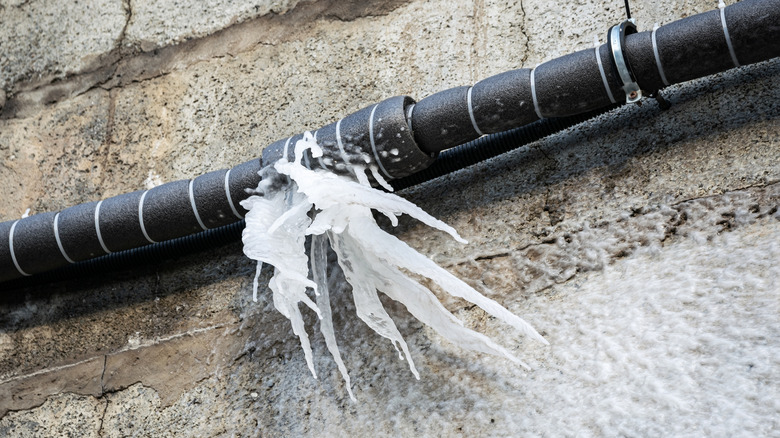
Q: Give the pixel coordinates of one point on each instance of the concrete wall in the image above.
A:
(644, 245)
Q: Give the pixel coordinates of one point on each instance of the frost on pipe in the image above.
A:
(279, 220)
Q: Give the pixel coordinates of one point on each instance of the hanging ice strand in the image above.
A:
(279, 220)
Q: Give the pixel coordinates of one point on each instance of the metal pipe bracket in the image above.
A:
(617, 43)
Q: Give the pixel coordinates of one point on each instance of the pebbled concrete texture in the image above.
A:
(158, 24)
(47, 40)
(642, 244)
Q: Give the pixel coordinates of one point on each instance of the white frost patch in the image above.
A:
(677, 341)
(293, 202)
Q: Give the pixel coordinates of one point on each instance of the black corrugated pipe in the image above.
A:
(398, 137)
(448, 161)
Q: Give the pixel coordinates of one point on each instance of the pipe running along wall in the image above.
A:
(397, 138)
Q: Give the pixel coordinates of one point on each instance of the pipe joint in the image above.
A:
(377, 137)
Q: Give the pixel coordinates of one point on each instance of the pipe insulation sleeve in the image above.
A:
(691, 48)
(696, 46)
(687, 49)
(377, 135)
(47, 241)
(168, 213)
(25, 247)
(119, 225)
(212, 202)
(242, 177)
(503, 101)
(492, 145)
(77, 232)
(136, 257)
(380, 138)
(754, 28)
(443, 120)
(573, 84)
(641, 54)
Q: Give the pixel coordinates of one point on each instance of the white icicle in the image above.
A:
(371, 259)
(364, 291)
(403, 256)
(419, 300)
(284, 249)
(319, 262)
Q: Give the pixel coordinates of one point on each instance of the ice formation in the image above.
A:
(292, 202)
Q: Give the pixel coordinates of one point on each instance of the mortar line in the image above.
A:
(155, 341)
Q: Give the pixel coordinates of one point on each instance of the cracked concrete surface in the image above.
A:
(91, 34)
(150, 93)
(41, 43)
(142, 48)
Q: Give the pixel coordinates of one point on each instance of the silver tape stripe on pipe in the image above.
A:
(338, 142)
(604, 76)
(343, 153)
(409, 117)
(97, 228)
(722, 7)
(57, 238)
(373, 142)
(320, 158)
(194, 207)
(286, 148)
(227, 194)
(141, 217)
(11, 247)
(471, 113)
(533, 94)
(658, 57)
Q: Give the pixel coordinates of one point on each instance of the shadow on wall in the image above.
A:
(111, 291)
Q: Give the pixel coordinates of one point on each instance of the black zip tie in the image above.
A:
(628, 11)
(663, 103)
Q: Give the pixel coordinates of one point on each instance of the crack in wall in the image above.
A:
(103, 375)
(125, 65)
(103, 416)
(116, 371)
(120, 41)
(524, 32)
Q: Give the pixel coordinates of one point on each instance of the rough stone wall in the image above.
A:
(643, 245)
